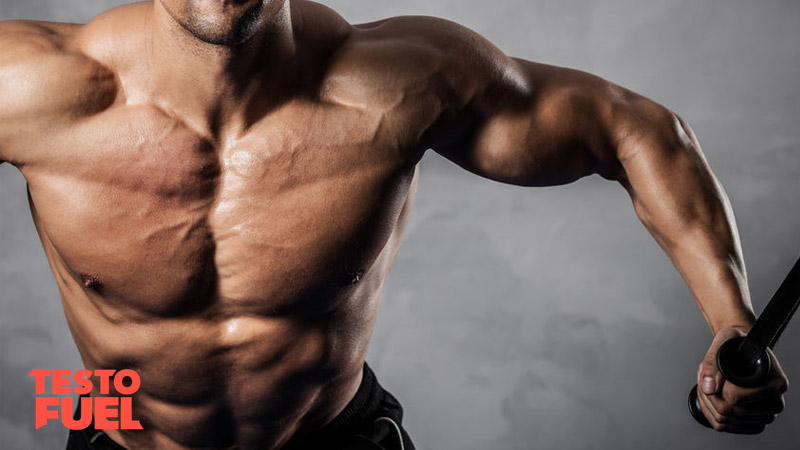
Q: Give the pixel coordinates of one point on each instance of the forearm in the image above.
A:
(568, 124)
(713, 269)
(685, 208)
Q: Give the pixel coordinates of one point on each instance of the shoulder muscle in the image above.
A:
(431, 65)
(464, 56)
(44, 81)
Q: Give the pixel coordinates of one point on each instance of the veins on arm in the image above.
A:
(525, 123)
(569, 124)
(683, 205)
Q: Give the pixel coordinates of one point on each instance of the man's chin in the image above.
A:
(229, 26)
(225, 8)
(222, 39)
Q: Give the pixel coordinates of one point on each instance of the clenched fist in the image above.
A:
(732, 408)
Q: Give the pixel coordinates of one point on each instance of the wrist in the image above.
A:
(743, 322)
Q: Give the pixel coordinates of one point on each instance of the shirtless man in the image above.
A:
(221, 188)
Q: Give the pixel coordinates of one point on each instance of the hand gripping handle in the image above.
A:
(737, 370)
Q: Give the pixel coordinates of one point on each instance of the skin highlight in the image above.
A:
(221, 189)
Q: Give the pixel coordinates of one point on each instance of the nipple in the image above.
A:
(90, 282)
(356, 276)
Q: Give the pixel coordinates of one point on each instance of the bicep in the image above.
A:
(554, 131)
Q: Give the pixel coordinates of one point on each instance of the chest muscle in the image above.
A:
(165, 222)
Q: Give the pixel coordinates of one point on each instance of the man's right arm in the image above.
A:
(8, 53)
(46, 83)
(21, 44)
(26, 50)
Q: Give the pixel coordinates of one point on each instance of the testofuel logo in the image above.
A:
(106, 412)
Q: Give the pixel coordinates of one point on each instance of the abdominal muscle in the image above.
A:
(249, 329)
(218, 381)
(230, 374)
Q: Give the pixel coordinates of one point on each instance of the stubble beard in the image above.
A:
(219, 32)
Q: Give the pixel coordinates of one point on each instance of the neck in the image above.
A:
(212, 87)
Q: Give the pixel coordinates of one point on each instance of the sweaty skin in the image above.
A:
(221, 188)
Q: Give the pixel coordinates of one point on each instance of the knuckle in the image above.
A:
(725, 410)
(733, 398)
(719, 417)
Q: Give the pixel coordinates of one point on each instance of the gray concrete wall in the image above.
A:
(523, 318)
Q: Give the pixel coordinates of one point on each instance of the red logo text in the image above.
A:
(109, 413)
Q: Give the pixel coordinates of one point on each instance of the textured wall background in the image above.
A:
(521, 318)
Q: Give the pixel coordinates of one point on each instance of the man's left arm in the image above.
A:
(536, 125)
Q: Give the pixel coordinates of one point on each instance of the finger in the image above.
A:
(714, 410)
(724, 412)
(734, 424)
(774, 388)
(711, 410)
(761, 408)
(770, 394)
(709, 378)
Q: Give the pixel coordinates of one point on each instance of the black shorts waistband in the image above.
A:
(369, 402)
(360, 411)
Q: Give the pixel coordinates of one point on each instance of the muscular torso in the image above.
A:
(242, 283)
(234, 256)
(241, 279)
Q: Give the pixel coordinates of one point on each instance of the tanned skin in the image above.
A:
(221, 188)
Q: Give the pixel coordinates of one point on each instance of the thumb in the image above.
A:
(709, 378)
